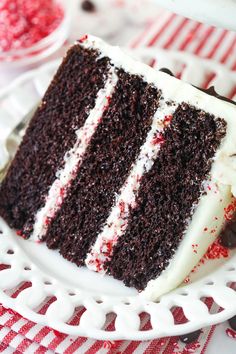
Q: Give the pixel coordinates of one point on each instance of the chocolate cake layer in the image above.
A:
(167, 197)
(50, 135)
(107, 163)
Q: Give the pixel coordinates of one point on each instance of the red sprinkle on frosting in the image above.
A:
(62, 192)
(21, 234)
(122, 206)
(158, 139)
(230, 210)
(83, 39)
(187, 280)
(108, 99)
(167, 120)
(216, 251)
(47, 221)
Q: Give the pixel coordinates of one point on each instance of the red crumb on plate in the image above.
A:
(230, 333)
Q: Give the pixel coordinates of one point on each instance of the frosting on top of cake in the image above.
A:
(210, 210)
(173, 89)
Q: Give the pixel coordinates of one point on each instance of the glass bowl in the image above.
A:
(42, 49)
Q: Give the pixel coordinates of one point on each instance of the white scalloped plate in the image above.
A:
(73, 289)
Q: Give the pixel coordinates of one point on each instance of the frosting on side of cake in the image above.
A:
(204, 227)
(117, 221)
(73, 159)
(208, 214)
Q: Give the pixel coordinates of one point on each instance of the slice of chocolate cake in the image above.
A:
(123, 169)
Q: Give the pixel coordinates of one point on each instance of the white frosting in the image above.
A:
(117, 221)
(224, 169)
(210, 211)
(204, 227)
(73, 159)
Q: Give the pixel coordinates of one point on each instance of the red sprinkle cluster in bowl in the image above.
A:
(25, 22)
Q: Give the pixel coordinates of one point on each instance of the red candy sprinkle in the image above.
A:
(158, 139)
(231, 333)
(47, 221)
(21, 234)
(216, 251)
(25, 22)
(167, 120)
(187, 280)
(83, 39)
(108, 245)
(122, 206)
(98, 265)
(229, 211)
(108, 99)
(62, 192)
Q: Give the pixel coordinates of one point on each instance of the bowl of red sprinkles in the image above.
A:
(32, 30)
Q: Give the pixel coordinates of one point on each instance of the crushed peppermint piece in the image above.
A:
(187, 280)
(231, 333)
(83, 39)
(229, 211)
(167, 120)
(158, 139)
(24, 22)
(21, 234)
(216, 251)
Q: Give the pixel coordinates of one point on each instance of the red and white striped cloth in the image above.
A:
(170, 31)
(24, 336)
(18, 335)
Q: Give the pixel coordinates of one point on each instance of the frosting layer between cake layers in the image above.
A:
(207, 214)
(50, 136)
(73, 159)
(142, 183)
(106, 166)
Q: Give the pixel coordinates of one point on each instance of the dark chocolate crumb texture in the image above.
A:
(167, 197)
(122, 169)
